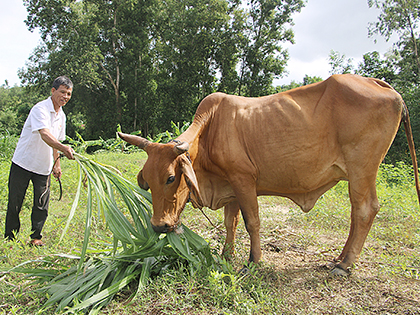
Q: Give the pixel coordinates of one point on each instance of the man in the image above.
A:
(37, 150)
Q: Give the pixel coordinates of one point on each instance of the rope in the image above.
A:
(208, 219)
(49, 184)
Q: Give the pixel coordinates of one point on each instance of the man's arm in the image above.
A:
(55, 144)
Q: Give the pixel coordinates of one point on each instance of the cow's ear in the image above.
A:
(191, 179)
(142, 183)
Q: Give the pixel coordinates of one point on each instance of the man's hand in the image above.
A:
(57, 171)
(68, 152)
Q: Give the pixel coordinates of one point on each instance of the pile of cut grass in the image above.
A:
(136, 254)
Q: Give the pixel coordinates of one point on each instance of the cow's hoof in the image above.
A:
(329, 266)
(338, 271)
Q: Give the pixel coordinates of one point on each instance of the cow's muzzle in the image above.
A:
(164, 228)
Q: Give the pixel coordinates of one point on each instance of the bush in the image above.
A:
(7, 145)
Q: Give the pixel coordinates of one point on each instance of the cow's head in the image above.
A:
(169, 174)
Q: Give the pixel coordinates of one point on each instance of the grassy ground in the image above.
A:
(290, 280)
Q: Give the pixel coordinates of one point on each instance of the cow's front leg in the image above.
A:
(231, 223)
(252, 224)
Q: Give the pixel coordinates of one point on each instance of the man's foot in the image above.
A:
(36, 242)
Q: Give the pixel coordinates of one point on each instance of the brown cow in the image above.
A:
(296, 144)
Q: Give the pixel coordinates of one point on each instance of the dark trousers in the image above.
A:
(18, 183)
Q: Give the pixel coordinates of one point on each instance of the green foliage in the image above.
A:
(144, 64)
(263, 57)
(176, 131)
(7, 146)
(397, 16)
(15, 104)
(339, 64)
(398, 176)
(401, 17)
(137, 252)
(374, 66)
(118, 145)
(89, 146)
(306, 80)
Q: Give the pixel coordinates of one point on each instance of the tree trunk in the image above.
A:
(413, 37)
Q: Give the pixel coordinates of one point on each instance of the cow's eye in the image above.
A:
(170, 180)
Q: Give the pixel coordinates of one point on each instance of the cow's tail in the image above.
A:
(407, 127)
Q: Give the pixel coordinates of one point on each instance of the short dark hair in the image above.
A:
(62, 80)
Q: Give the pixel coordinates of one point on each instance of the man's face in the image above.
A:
(61, 96)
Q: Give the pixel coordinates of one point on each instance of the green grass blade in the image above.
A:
(181, 246)
(87, 227)
(97, 298)
(74, 205)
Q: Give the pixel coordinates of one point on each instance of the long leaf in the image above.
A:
(87, 227)
(103, 294)
(74, 205)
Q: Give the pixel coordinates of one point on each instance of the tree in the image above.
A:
(373, 66)
(15, 104)
(187, 38)
(228, 52)
(261, 55)
(146, 63)
(339, 64)
(92, 42)
(398, 16)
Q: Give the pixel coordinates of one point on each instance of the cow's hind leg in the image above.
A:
(364, 207)
(231, 223)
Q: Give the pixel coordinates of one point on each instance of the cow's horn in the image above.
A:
(181, 147)
(134, 140)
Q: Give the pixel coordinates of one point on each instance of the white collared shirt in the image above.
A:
(32, 153)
